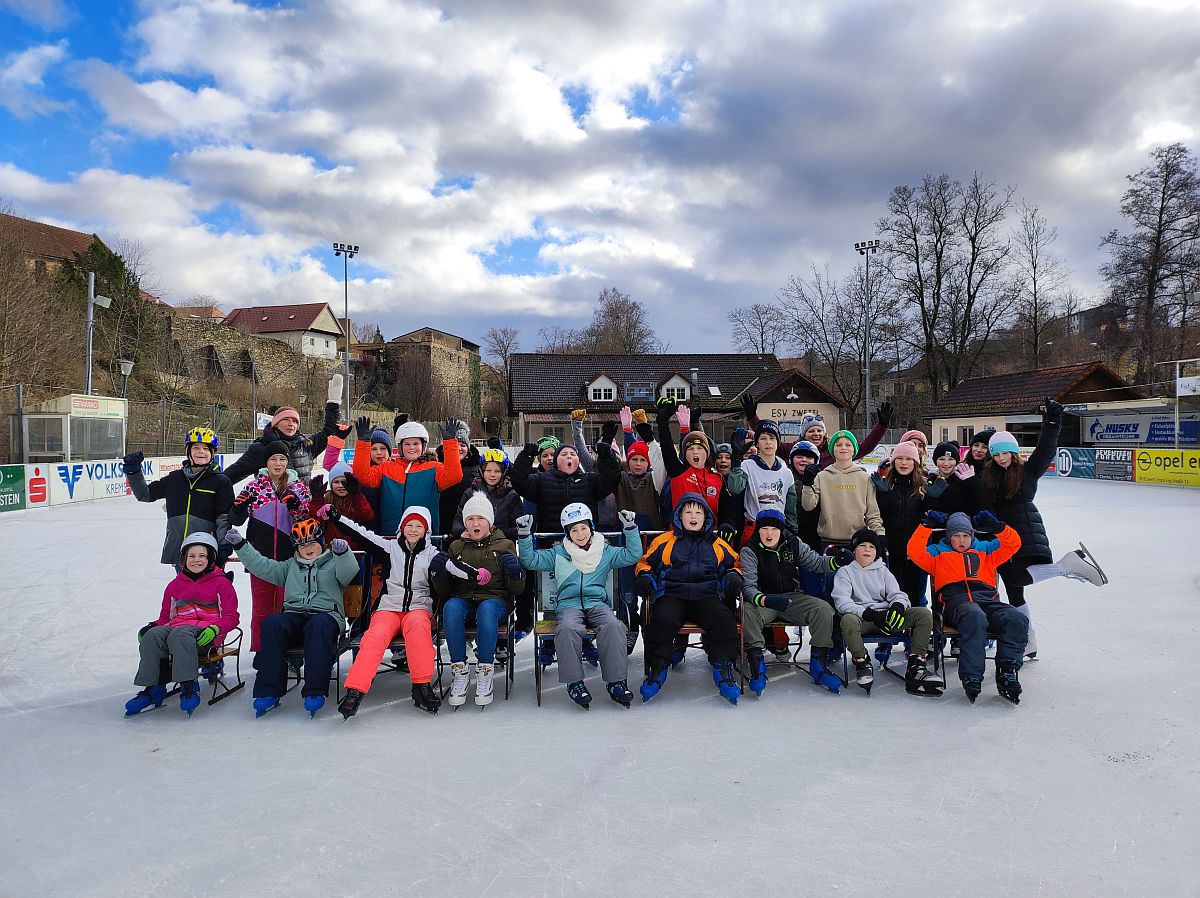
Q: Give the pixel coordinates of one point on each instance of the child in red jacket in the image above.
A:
(199, 608)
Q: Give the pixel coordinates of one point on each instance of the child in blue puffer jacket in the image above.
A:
(582, 563)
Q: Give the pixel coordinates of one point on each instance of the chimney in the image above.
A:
(695, 381)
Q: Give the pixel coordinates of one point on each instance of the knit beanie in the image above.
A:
(837, 435)
(463, 433)
(983, 437)
(867, 535)
(276, 447)
(905, 449)
(767, 427)
(810, 421)
(959, 523)
(416, 513)
(946, 447)
(770, 517)
(638, 448)
(696, 438)
(286, 412)
(1003, 441)
(915, 436)
(381, 436)
(341, 469)
(547, 442)
(804, 447)
(481, 506)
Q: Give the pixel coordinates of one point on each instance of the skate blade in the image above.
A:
(1091, 559)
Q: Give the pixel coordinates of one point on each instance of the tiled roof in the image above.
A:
(768, 384)
(546, 382)
(276, 319)
(1023, 392)
(205, 312)
(36, 238)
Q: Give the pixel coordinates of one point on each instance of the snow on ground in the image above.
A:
(1090, 787)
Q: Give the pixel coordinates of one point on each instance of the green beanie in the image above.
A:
(834, 437)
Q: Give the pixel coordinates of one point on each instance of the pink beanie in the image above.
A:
(286, 412)
(906, 449)
(915, 436)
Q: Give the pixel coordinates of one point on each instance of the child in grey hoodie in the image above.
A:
(868, 598)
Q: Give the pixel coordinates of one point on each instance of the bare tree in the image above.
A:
(1042, 276)
(499, 344)
(757, 328)
(620, 326)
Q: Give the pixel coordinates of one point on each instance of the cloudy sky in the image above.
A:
(502, 162)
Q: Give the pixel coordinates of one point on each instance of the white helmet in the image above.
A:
(410, 429)
(575, 513)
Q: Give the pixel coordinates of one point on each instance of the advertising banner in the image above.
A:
(1170, 467)
(37, 486)
(1147, 430)
(1095, 464)
(1075, 463)
(12, 487)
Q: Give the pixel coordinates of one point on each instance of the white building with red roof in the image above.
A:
(312, 328)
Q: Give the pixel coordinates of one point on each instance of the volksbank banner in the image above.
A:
(1144, 430)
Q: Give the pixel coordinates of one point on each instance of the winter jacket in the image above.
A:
(552, 491)
(773, 487)
(963, 576)
(486, 554)
(725, 505)
(198, 500)
(270, 527)
(403, 484)
(777, 571)
(575, 587)
(1019, 512)
(847, 500)
(301, 449)
(451, 497)
(951, 494)
(506, 506)
(207, 600)
(314, 587)
(354, 507)
(637, 494)
(409, 586)
(690, 565)
(857, 588)
(900, 509)
(807, 520)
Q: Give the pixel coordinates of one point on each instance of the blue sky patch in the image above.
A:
(579, 100)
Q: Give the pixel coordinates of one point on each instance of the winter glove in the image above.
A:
(645, 432)
(291, 501)
(132, 463)
(628, 519)
(608, 433)
(207, 635)
(934, 519)
(316, 489)
(774, 602)
(144, 630)
(727, 532)
(362, 427)
(342, 431)
(895, 617)
(965, 471)
(839, 556)
(683, 415)
(749, 407)
(884, 414)
(234, 538)
(626, 418)
(985, 520)
(1053, 411)
(875, 617)
(450, 428)
(242, 499)
(483, 576)
(644, 586)
(936, 488)
(511, 566)
(525, 525)
(639, 416)
(352, 485)
(809, 476)
(328, 514)
(880, 483)
(740, 434)
(334, 394)
(493, 442)
(339, 547)
(529, 450)
(666, 406)
(578, 414)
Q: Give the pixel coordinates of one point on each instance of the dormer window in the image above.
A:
(675, 387)
(639, 391)
(679, 393)
(602, 394)
(602, 389)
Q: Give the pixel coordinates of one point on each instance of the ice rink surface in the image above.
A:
(1090, 787)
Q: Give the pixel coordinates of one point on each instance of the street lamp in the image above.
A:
(867, 248)
(347, 252)
(126, 370)
(92, 300)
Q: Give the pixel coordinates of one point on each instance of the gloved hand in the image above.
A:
(603, 448)
(144, 630)
(895, 617)
(483, 576)
(740, 435)
(644, 586)
(401, 418)
(666, 406)
(876, 617)
(626, 418)
(291, 501)
(608, 432)
(578, 414)
(936, 487)
(316, 489)
(242, 499)
(985, 520)
(809, 476)
(352, 485)
(728, 533)
(628, 519)
(511, 565)
(644, 430)
(132, 463)
(493, 442)
(934, 519)
(683, 414)
(362, 427)
(234, 538)
(530, 450)
(339, 546)
(749, 407)
(964, 471)
(328, 513)
(839, 556)
(774, 602)
(343, 430)
(880, 483)
(334, 393)
(207, 635)
(450, 428)
(884, 414)
(1053, 411)
(525, 525)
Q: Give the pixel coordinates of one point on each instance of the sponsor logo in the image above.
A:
(70, 474)
(86, 404)
(37, 487)
(1065, 463)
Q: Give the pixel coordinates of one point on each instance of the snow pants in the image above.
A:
(571, 629)
(669, 613)
(318, 634)
(918, 623)
(417, 627)
(267, 599)
(973, 620)
(179, 643)
(488, 615)
(803, 610)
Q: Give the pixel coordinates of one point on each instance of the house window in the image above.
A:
(603, 394)
(558, 433)
(639, 391)
(326, 344)
(312, 342)
(965, 435)
(679, 393)
(945, 434)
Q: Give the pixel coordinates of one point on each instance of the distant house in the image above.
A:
(46, 246)
(202, 313)
(438, 373)
(311, 328)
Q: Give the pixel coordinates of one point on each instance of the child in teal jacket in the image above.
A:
(582, 565)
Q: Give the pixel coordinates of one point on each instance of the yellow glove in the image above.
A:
(579, 414)
(639, 416)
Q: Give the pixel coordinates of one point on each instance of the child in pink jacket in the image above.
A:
(199, 608)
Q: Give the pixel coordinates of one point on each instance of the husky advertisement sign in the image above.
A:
(1142, 430)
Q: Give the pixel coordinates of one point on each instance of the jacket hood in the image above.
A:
(708, 515)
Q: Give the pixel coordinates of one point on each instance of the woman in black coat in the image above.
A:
(902, 501)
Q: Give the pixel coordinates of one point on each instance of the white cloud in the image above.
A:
(46, 13)
(22, 81)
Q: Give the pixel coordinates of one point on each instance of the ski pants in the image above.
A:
(973, 620)
(918, 623)
(179, 643)
(266, 599)
(487, 614)
(318, 634)
(669, 613)
(417, 628)
(804, 610)
(571, 629)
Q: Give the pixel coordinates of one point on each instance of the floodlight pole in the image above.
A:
(1177, 363)
(347, 252)
(866, 248)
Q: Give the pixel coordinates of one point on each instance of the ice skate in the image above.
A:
(1080, 564)
(483, 684)
(619, 692)
(313, 704)
(653, 683)
(189, 697)
(265, 703)
(349, 705)
(864, 673)
(458, 686)
(757, 665)
(579, 694)
(972, 688)
(425, 698)
(919, 681)
(725, 682)
(151, 695)
(1007, 684)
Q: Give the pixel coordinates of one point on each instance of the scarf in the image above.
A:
(587, 559)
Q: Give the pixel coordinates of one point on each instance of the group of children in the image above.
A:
(824, 544)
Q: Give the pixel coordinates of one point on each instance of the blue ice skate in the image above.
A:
(653, 683)
(725, 682)
(151, 695)
(313, 704)
(265, 703)
(189, 696)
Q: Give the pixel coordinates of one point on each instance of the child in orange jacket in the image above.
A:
(963, 569)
